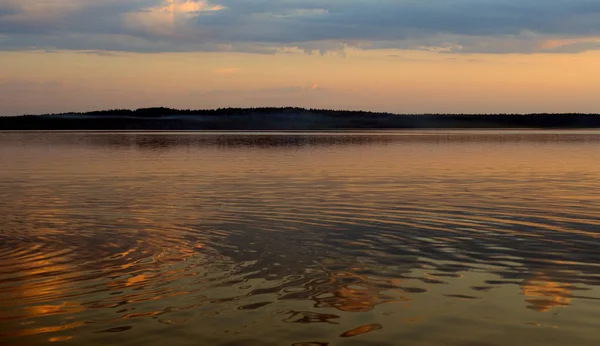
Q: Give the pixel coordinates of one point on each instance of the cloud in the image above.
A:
(275, 93)
(27, 86)
(8, 10)
(227, 70)
(267, 26)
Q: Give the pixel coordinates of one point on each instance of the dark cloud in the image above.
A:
(273, 21)
(7, 9)
(263, 26)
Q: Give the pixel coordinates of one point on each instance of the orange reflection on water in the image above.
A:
(136, 279)
(343, 231)
(40, 290)
(42, 310)
(350, 292)
(60, 338)
(543, 294)
(361, 330)
(43, 330)
(355, 299)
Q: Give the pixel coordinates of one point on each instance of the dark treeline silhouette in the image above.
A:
(288, 118)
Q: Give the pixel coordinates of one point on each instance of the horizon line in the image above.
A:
(273, 108)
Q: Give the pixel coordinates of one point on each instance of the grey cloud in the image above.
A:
(575, 47)
(263, 26)
(117, 43)
(94, 17)
(7, 10)
(398, 20)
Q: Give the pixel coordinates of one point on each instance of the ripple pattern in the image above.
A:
(300, 239)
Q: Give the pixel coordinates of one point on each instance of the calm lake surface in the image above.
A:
(371, 238)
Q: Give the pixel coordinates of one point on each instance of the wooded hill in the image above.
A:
(289, 118)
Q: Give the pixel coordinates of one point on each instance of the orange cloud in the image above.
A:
(227, 70)
(171, 15)
(553, 44)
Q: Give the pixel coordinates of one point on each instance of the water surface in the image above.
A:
(372, 238)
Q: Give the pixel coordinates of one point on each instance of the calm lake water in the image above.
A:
(370, 238)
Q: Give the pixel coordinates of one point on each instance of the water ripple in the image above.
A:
(226, 241)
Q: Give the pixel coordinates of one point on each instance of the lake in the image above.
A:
(280, 238)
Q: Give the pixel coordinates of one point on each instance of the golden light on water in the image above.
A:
(321, 235)
(543, 295)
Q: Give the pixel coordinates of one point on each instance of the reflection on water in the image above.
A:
(429, 238)
(543, 295)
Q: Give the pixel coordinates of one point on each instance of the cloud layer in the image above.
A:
(267, 26)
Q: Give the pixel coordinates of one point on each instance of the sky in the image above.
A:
(401, 56)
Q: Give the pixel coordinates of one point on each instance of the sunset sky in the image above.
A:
(403, 56)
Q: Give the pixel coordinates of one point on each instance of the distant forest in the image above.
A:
(289, 118)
